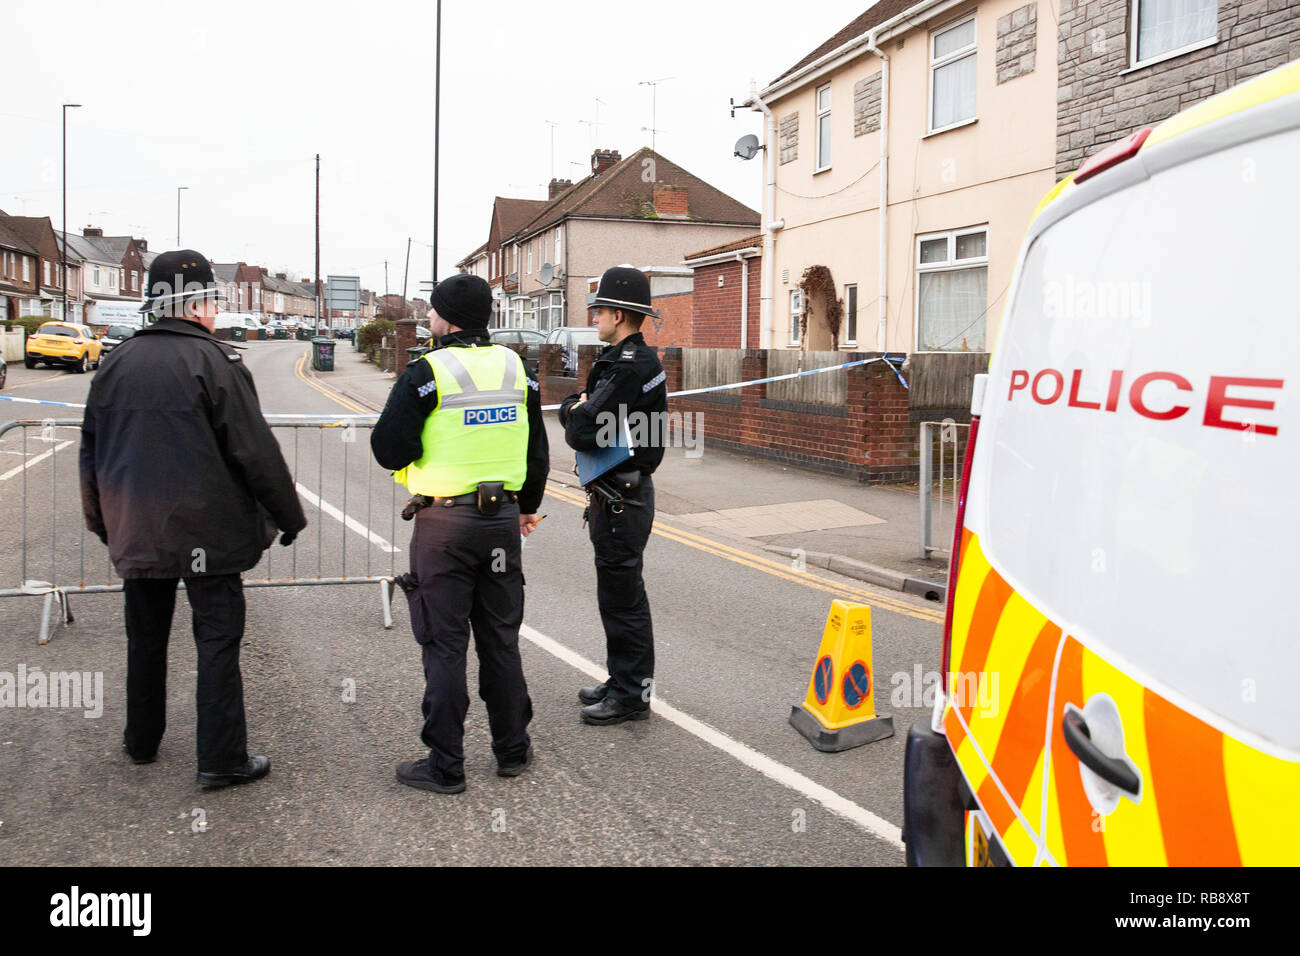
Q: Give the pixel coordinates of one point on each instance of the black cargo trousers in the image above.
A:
(469, 575)
(618, 537)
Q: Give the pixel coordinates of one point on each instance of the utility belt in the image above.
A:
(617, 490)
(489, 498)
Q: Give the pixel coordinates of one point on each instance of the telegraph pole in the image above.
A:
(318, 243)
(406, 271)
(437, 130)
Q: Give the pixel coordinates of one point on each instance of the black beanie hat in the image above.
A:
(463, 300)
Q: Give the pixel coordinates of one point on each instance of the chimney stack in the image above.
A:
(90, 232)
(603, 159)
(558, 186)
(281, 275)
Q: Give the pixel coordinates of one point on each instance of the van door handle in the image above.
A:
(1079, 739)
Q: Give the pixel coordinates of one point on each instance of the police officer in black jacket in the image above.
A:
(182, 478)
(463, 428)
(626, 395)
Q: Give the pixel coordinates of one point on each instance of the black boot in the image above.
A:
(593, 695)
(610, 711)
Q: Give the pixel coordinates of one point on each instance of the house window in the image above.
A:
(796, 314)
(96, 277)
(135, 278)
(823, 128)
(530, 257)
(1168, 27)
(952, 279)
(112, 279)
(850, 315)
(559, 246)
(27, 269)
(48, 280)
(952, 75)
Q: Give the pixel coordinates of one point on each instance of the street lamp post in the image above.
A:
(63, 246)
(178, 214)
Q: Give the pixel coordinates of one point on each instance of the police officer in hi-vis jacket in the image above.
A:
(463, 431)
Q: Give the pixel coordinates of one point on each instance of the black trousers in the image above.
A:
(470, 576)
(217, 603)
(619, 542)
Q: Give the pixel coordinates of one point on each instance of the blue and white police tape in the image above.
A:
(893, 361)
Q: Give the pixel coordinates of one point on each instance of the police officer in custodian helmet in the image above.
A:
(463, 431)
(625, 391)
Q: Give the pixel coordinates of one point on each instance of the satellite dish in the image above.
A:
(747, 147)
(547, 275)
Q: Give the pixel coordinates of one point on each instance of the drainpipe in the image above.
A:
(770, 226)
(883, 238)
(744, 300)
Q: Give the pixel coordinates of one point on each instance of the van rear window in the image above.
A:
(1141, 441)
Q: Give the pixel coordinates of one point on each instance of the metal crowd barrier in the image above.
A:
(948, 482)
(63, 582)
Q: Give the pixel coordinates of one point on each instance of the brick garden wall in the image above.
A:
(870, 438)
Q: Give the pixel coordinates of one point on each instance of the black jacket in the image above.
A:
(179, 471)
(625, 378)
(397, 437)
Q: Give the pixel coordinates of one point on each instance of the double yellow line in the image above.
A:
(767, 566)
(325, 390)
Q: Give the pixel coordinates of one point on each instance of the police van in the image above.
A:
(1125, 542)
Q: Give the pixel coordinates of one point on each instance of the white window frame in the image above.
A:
(950, 264)
(27, 269)
(953, 57)
(1136, 64)
(796, 315)
(559, 246)
(530, 258)
(818, 114)
(853, 340)
(48, 281)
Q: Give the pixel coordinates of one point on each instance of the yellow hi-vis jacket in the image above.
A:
(479, 430)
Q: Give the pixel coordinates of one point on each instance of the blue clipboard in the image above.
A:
(593, 464)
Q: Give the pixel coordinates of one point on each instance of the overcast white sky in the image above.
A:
(234, 99)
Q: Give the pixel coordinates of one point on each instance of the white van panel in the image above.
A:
(1167, 544)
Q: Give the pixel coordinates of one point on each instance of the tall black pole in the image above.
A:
(63, 252)
(318, 243)
(64, 261)
(437, 130)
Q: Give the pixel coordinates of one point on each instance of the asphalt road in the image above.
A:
(715, 777)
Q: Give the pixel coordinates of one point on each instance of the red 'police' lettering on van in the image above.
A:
(1047, 387)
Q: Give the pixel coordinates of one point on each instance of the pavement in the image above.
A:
(716, 776)
(867, 532)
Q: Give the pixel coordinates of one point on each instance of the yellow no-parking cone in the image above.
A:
(839, 712)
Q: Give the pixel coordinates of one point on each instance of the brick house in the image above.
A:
(727, 294)
(113, 275)
(642, 209)
(1126, 64)
(39, 236)
(19, 272)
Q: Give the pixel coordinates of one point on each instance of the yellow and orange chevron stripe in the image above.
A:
(1208, 798)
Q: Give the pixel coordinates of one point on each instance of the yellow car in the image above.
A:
(62, 343)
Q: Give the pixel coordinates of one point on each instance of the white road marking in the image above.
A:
(34, 461)
(348, 521)
(750, 757)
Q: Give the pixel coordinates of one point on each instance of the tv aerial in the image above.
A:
(747, 147)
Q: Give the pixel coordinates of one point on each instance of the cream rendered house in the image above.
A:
(942, 112)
